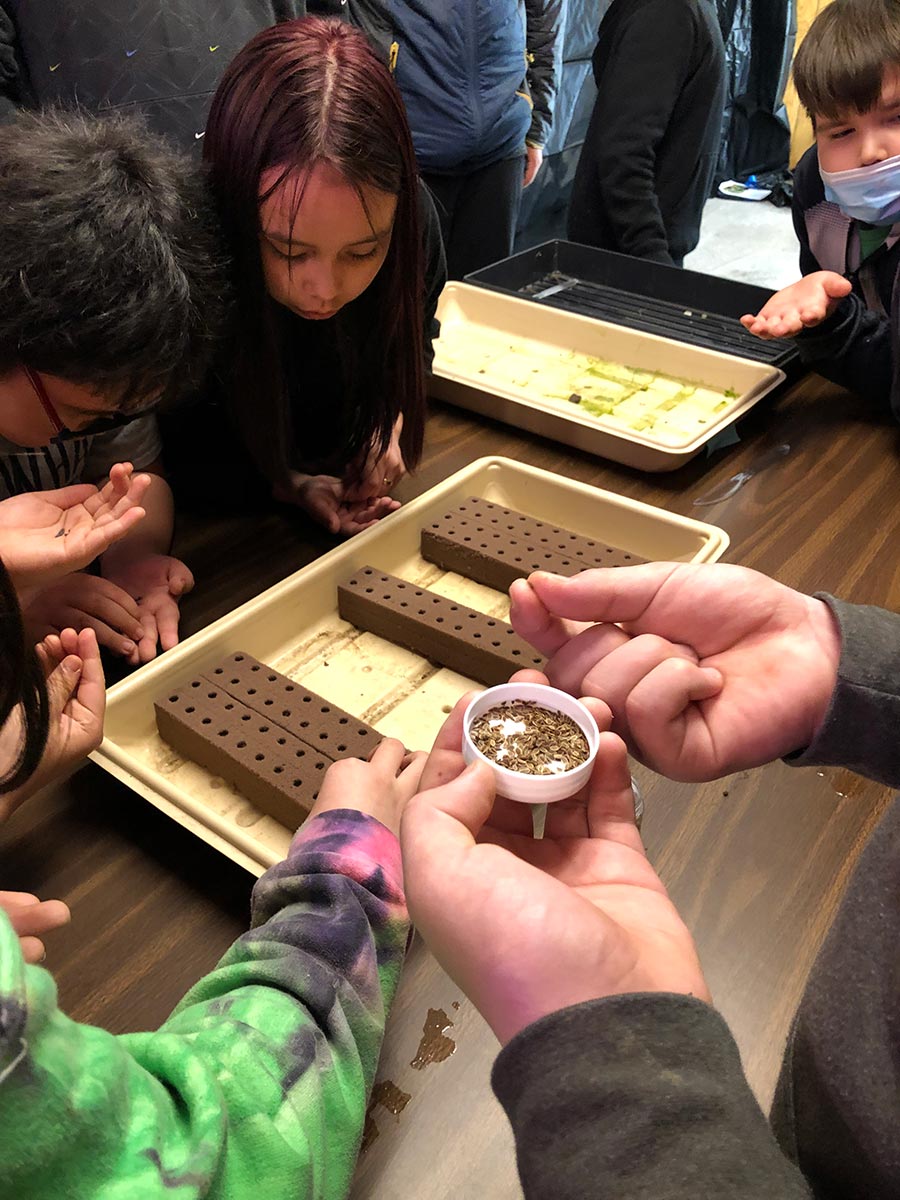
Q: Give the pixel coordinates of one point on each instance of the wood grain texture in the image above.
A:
(757, 862)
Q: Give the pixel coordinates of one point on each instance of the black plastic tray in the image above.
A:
(702, 310)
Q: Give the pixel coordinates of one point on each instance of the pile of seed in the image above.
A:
(522, 736)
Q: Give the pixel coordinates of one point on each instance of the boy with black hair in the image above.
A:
(846, 203)
(112, 296)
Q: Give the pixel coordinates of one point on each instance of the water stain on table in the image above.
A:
(435, 1046)
(370, 1133)
(389, 1096)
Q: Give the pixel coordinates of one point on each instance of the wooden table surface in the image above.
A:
(756, 862)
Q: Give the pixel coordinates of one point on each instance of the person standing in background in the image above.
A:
(479, 83)
(650, 151)
(161, 57)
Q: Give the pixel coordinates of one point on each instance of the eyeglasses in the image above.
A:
(60, 430)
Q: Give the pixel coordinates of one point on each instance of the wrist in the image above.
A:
(827, 640)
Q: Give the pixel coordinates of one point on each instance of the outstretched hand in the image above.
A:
(708, 669)
(156, 583)
(325, 499)
(800, 306)
(527, 927)
(45, 535)
(77, 694)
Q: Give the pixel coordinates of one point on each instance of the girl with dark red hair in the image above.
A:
(339, 265)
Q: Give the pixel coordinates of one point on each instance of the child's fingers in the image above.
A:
(410, 775)
(146, 647)
(62, 684)
(32, 950)
(17, 899)
(105, 634)
(37, 919)
(181, 579)
(388, 756)
(111, 492)
(68, 497)
(92, 685)
(69, 640)
(166, 615)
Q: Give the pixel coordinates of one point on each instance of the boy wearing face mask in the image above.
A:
(846, 203)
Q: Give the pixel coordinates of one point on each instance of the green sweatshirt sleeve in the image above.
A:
(257, 1084)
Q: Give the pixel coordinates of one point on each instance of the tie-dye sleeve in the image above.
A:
(257, 1084)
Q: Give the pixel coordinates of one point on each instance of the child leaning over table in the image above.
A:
(846, 203)
(112, 297)
(257, 1085)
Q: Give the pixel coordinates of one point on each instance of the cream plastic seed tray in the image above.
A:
(295, 628)
(646, 401)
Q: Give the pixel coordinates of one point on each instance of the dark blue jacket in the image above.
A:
(477, 76)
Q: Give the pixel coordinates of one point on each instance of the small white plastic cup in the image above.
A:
(516, 785)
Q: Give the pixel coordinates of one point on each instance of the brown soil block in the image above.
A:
(302, 713)
(277, 772)
(494, 545)
(450, 634)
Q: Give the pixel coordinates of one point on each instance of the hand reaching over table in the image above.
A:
(708, 669)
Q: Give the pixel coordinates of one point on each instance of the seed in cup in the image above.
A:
(523, 736)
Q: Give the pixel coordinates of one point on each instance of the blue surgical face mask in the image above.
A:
(870, 194)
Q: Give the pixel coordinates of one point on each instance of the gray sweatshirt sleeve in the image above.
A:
(637, 1097)
(643, 1096)
(861, 729)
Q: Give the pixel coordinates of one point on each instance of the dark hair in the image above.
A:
(840, 65)
(22, 685)
(112, 270)
(303, 93)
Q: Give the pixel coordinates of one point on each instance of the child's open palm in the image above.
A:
(802, 305)
(45, 535)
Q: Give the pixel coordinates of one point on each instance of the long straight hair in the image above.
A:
(22, 686)
(300, 94)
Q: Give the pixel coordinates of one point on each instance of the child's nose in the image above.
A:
(873, 149)
(323, 282)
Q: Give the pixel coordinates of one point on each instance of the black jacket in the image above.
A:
(643, 1096)
(855, 347)
(650, 150)
(164, 60)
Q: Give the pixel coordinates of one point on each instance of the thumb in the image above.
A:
(446, 820)
(837, 285)
(181, 579)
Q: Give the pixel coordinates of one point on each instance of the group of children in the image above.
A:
(293, 304)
